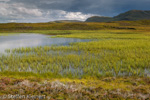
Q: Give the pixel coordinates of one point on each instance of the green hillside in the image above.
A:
(131, 15)
(99, 19)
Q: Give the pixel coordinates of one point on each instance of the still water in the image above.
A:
(33, 40)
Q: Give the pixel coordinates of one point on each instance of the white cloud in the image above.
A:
(18, 12)
(77, 15)
(4, 0)
(34, 12)
(64, 15)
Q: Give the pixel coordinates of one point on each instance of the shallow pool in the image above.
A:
(33, 40)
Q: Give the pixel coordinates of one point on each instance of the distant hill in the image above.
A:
(66, 21)
(99, 19)
(131, 15)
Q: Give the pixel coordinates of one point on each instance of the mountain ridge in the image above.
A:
(131, 15)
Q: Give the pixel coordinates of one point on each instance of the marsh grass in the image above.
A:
(116, 53)
(115, 64)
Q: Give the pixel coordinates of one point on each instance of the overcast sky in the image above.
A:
(50, 10)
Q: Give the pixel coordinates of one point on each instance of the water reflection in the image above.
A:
(32, 40)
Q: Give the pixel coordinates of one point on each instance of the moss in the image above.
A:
(78, 89)
(111, 66)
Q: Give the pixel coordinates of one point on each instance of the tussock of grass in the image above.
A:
(111, 54)
(115, 64)
(73, 89)
(45, 27)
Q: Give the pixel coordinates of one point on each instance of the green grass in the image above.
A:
(81, 89)
(111, 53)
(46, 27)
(113, 65)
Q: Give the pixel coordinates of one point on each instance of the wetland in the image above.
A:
(89, 62)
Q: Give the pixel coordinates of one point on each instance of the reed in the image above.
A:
(113, 53)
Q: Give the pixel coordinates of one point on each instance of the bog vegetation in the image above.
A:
(45, 27)
(114, 53)
(114, 64)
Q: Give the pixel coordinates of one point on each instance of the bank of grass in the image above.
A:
(114, 64)
(76, 89)
(45, 27)
(6, 34)
(104, 82)
(112, 53)
(106, 34)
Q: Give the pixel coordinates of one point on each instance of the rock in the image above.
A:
(57, 84)
(26, 83)
(61, 86)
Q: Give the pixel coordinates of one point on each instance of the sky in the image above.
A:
(32, 11)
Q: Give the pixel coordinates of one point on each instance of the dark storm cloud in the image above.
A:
(45, 10)
(108, 7)
(102, 7)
